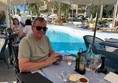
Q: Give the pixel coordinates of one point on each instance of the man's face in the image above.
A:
(39, 29)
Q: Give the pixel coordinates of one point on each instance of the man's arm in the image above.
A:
(26, 66)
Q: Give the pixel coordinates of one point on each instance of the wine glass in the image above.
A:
(95, 63)
(63, 74)
(70, 60)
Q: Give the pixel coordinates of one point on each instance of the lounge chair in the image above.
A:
(110, 29)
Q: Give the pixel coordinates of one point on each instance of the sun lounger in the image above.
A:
(110, 29)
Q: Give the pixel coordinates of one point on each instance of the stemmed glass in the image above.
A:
(95, 63)
(69, 60)
(63, 74)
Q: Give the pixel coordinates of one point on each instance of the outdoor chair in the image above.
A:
(111, 57)
(88, 39)
(3, 43)
(13, 49)
(14, 52)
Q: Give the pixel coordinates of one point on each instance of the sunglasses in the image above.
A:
(39, 28)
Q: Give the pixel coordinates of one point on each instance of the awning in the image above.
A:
(85, 2)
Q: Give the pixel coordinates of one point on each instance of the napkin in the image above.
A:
(111, 77)
(39, 71)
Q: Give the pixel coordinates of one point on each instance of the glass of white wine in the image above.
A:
(96, 63)
(70, 60)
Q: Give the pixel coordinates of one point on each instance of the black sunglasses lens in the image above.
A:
(45, 29)
(39, 28)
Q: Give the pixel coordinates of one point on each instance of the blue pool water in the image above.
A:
(65, 43)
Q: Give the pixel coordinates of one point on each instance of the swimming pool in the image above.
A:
(65, 43)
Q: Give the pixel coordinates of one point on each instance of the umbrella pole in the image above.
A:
(95, 29)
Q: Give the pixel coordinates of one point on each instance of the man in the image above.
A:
(35, 49)
(27, 29)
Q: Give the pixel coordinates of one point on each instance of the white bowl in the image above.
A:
(75, 78)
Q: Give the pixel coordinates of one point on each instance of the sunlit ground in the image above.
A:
(9, 82)
(77, 32)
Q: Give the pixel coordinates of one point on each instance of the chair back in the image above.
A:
(15, 52)
(9, 31)
(13, 37)
(88, 39)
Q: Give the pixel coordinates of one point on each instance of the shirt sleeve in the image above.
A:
(24, 49)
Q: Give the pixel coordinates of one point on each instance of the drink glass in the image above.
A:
(95, 64)
(69, 60)
(64, 75)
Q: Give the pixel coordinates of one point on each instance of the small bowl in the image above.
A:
(73, 78)
(83, 80)
(77, 78)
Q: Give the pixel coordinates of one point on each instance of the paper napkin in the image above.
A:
(111, 77)
(39, 71)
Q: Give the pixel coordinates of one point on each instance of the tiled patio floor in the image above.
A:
(6, 75)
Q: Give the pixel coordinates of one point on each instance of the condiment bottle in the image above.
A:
(80, 63)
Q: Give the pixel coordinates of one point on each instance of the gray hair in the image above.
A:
(40, 19)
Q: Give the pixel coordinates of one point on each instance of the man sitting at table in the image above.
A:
(35, 50)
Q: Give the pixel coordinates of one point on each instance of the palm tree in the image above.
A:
(34, 7)
(62, 8)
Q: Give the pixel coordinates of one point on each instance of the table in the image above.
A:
(111, 55)
(51, 72)
(53, 69)
(113, 43)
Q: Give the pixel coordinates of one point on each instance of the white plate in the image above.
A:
(77, 77)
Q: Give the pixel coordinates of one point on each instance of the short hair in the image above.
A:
(28, 22)
(40, 19)
(15, 19)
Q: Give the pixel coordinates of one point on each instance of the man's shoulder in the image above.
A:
(28, 38)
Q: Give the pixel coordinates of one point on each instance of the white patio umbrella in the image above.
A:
(19, 2)
(89, 2)
(3, 5)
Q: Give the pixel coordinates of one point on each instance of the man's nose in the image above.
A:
(41, 29)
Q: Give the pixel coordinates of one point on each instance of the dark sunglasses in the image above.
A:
(39, 28)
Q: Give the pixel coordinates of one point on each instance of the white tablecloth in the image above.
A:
(53, 71)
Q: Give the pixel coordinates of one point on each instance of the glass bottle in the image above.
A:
(80, 63)
(77, 62)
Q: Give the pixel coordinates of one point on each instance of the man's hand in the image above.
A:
(58, 61)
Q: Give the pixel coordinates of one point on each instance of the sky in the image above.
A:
(21, 7)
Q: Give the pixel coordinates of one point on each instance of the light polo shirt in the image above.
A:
(33, 50)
